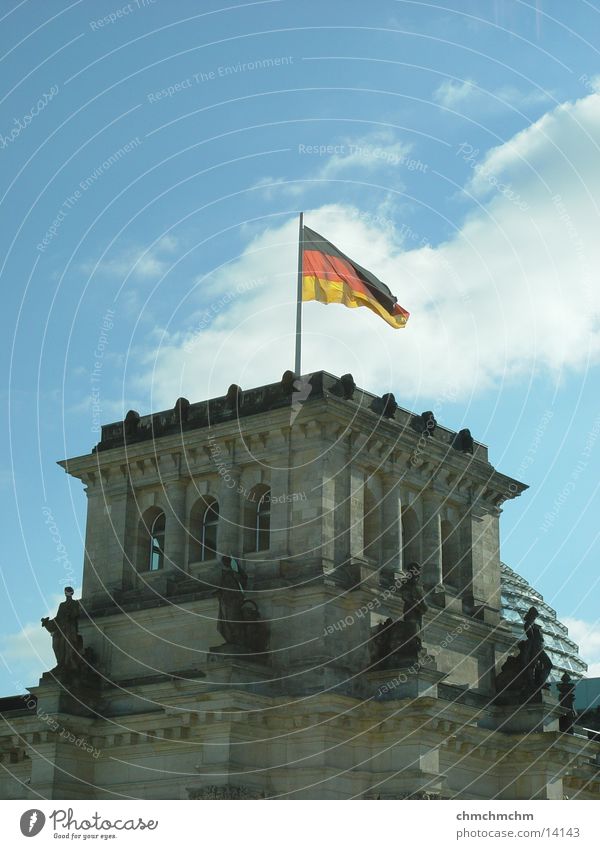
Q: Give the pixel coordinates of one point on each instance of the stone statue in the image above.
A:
(388, 405)
(255, 630)
(398, 642)
(234, 581)
(287, 382)
(429, 422)
(131, 423)
(348, 386)
(463, 441)
(538, 664)
(234, 397)
(66, 640)
(425, 424)
(239, 620)
(566, 691)
(385, 638)
(523, 676)
(413, 595)
(181, 411)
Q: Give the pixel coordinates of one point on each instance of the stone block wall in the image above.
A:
(342, 492)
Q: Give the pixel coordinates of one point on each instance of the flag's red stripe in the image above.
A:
(333, 268)
(398, 310)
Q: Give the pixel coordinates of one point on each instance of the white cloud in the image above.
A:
(271, 186)
(371, 152)
(380, 149)
(463, 95)
(587, 637)
(139, 262)
(519, 99)
(511, 293)
(31, 642)
(452, 93)
(103, 409)
(246, 333)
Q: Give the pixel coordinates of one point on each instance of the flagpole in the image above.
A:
(298, 361)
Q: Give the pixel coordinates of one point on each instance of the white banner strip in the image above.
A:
(298, 825)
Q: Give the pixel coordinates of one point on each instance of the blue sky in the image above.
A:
(155, 157)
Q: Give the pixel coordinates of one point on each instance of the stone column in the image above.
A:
(431, 541)
(357, 511)
(465, 560)
(110, 541)
(327, 507)
(98, 538)
(391, 541)
(483, 564)
(280, 511)
(60, 769)
(342, 515)
(229, 528)
(175, 525)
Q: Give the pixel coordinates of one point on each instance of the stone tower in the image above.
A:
(363, 655)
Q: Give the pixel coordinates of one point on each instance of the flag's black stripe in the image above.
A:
(314, 242)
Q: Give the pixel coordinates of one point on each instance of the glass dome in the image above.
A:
(517, 597)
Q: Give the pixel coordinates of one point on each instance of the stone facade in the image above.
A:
(325, 494)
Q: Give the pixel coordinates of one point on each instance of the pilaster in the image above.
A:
(230, 520)
(281, 498)
(175, 530)
(391, 542)
(431, 541)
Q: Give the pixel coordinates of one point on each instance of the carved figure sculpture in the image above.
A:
(524, 675)
(398, 642)
(566, 691)
(239, 622)
(463, 441)
(66, 640)
(231, 597)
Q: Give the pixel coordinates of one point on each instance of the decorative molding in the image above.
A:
(419, 795)
(224, 791)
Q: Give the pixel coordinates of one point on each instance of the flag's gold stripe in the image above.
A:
(338, 292)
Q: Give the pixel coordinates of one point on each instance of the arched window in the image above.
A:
(156, 559)
(202, 533)
(411, 538)
(263, 522)
(257, 522)
(371, 525)
(210, 522)
(150, 555)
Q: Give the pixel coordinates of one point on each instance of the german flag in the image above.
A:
(330, 277)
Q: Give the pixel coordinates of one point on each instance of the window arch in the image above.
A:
(411, 538)
(258, 519)
(210, 522)
(156, 560)
(263, 522)
(204, 522)
(151, 541)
